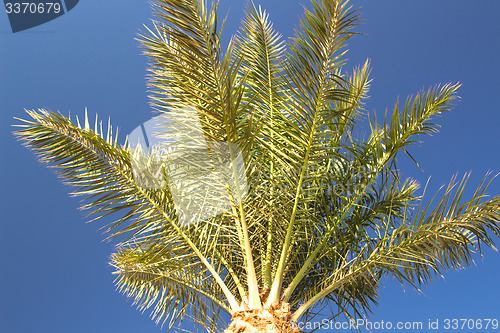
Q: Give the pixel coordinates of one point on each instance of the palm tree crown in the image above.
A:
(268, 204)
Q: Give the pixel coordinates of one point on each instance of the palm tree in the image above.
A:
(303, 211)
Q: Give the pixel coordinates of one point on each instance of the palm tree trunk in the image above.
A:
(274, 319)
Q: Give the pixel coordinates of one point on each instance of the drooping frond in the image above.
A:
(170, 279)
(419, 245)
(102, 172)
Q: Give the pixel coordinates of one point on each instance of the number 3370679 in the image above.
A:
(471, 324)
(32, 8)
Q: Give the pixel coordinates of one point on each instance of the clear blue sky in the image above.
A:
(54, 275)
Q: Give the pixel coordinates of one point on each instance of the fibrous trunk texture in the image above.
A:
(274, 319)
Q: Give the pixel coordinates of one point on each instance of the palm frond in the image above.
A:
(172, 280)
(314, 60)
(102, 171)
(188, 67)
(422, 245)
(261, 52)
(403, 128)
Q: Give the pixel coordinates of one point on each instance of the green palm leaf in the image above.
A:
(102, 171)
(171, 279)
